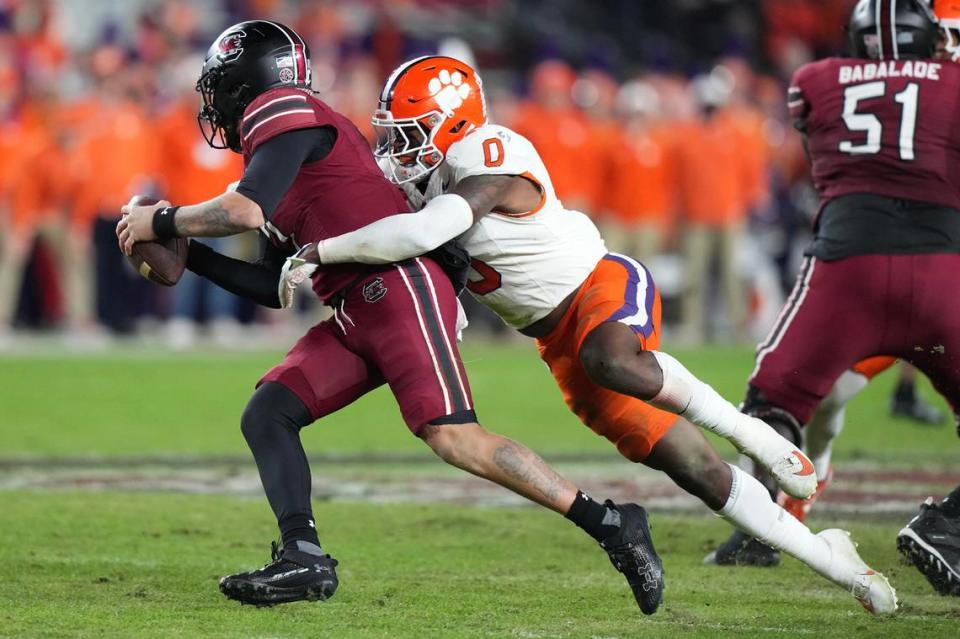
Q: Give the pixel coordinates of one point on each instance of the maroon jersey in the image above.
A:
(340, 193)
(887, 128)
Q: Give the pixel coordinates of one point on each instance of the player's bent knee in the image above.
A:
(452, 442)
(272, 406)
(624, 370)
(253, 420)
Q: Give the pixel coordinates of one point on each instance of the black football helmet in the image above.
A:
(244, 61)
(893, 30)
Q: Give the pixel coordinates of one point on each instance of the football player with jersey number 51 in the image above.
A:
(881, 275)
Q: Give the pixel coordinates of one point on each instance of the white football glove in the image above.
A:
(296, 270)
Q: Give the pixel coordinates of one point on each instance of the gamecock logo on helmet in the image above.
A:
(231, 45)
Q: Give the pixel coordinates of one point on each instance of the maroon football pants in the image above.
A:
(396, 326)
(844, 311)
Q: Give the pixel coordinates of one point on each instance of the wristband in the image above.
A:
(164, 226)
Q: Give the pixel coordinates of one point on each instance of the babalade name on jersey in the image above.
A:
(867, 71)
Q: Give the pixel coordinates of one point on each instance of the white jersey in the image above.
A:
(523, 265)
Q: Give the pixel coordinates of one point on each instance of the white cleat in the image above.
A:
(780, 457)
(849, 571)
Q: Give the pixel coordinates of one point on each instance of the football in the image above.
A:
(162, 262)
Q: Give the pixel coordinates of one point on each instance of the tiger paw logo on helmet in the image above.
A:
(426, 105)
(449, 90)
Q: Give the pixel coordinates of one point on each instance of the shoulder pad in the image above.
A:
(278, 111)
(490, 150)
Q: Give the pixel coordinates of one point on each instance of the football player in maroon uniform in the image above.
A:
(309, 174)
(880, 277)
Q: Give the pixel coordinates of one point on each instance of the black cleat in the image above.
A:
(918, 410)
(291, 576)
(931, 542)
(632, 553)
(740, 549)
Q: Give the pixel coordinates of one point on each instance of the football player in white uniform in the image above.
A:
(595, 315)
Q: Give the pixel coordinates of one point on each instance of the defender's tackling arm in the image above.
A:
(445, 217)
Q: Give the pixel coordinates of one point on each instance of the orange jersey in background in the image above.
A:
(564, 141)
(120, 158)
(607, 143)
(754, 154)
(714, 192)
(10, 132)
(189, 169)
(37, 185)
(643, 178)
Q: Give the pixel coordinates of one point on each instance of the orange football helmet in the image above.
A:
(948, 15)
(426, 105)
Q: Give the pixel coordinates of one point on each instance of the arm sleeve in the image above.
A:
(399, 237)
(257, 281)
(276, 162)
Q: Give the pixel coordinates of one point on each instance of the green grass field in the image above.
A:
(156, 403)
(81, 563)
(146, 565)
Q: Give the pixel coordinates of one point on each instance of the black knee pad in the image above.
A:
(273, 406)
(756, 405)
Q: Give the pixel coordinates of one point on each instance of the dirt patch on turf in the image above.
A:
(857, 488)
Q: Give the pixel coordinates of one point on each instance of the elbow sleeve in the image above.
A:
(399, 237)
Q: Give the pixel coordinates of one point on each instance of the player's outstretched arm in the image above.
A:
(399, 237)
(406, 235)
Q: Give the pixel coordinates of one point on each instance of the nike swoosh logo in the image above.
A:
(807, 467)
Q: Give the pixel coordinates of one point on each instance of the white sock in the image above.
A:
(683, 394)
(750, 509)
(827, 421)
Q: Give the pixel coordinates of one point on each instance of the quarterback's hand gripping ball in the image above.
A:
(298, 268)
(162, 262)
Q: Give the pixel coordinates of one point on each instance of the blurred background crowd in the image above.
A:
(664, 121)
